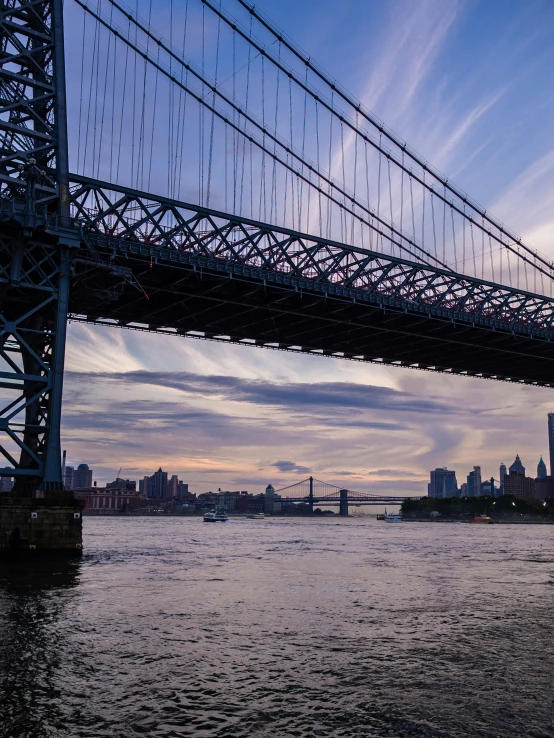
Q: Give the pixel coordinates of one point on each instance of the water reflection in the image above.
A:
(279, 628)
(33, 601)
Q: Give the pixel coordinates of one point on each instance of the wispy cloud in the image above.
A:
(531, 196)
(416, 34)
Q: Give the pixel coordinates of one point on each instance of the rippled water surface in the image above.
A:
(282, 628)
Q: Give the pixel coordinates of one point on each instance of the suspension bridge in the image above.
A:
(312, 492)
(187, 170)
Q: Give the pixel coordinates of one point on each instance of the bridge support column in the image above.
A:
(37, 526)
(37, 240)
(311, 496)
(343, 504)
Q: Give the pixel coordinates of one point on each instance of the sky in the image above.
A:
(468, 85)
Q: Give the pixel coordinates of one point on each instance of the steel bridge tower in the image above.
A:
(36, 240)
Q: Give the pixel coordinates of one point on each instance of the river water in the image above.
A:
(294, 627)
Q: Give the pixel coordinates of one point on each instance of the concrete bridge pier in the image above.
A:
(44, 523)
(343, 505)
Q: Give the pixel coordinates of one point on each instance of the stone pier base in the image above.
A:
(47, 523)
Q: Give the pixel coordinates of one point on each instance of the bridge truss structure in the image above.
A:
(287, 255)
(313, 492)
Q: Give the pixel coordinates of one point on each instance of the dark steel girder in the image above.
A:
(212, 275)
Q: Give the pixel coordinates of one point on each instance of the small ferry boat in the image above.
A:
(392, 517)
(256, 516)
(217, 515)
(481, 519)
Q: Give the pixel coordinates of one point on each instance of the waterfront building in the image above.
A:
(474, 482)
(443, 483)
(228, 499)
(503, 472)
(544, 488)
(541, 470)
(101, 500)
(463, 489)
(82, 477)
(272, 502)
(519, 485)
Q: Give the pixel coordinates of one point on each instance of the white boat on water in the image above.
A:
(217, 515)
(392, 517)
(256, 516)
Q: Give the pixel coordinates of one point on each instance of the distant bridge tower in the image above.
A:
(343, 504)
(311, 495)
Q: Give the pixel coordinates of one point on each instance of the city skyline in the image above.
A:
(229, 416)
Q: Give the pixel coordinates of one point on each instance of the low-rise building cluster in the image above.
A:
(162, 493)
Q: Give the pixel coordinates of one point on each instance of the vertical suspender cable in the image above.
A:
(210, 160)
(94, 55)
(318, 165)
(454, 241)
(292, 196)
(342, 210)
(355, 180)
(96, 59)
(154, 109)
(273, 194)
(134, 111)
(329, 213)
(301, 192)
(184, 107)
(122, 106)
(81, 95)
(390, 202)
(434, 229)
(246, 107)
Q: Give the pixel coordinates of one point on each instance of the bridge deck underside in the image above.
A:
(217, 303)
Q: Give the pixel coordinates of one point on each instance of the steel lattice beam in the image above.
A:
(125, 222)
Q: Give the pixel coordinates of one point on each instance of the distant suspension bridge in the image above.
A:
(315, 492)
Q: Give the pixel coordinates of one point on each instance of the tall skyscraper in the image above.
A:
(517, 466)
(541, 470)
(551, 441)
(443, 483)
(173, 488)
(82, 477)
(503, 472)
(157, 485)
(474, 482)
(183, 490)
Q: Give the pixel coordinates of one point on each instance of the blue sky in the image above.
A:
(468, 85)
